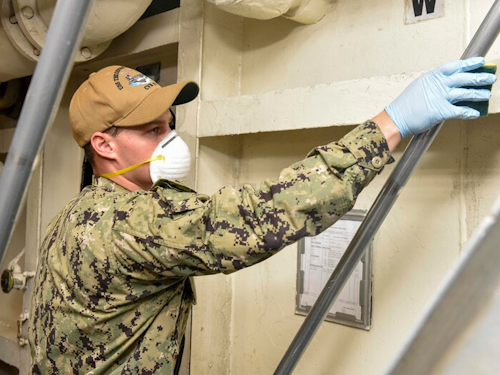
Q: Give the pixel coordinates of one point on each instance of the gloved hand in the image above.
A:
(429, 99)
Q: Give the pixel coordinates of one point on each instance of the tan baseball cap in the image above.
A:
(120, 96)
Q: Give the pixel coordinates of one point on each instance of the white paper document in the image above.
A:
(321, 256)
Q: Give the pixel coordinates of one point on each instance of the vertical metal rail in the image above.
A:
(39, 109)
(479, 46)
(462, 301)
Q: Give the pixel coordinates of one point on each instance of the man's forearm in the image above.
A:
(389, 129)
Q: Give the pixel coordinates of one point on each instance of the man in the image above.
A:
(113, 288)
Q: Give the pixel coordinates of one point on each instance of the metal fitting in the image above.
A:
(28, 12)
(86, 52)
(22, 341)
(13, 277)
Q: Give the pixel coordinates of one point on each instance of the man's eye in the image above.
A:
(154, 131)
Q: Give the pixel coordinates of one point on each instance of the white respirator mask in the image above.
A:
(171, 160)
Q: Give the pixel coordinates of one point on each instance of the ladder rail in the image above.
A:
(479, 46)
(462, 297)
(39, 109)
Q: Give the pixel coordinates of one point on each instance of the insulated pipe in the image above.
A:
(25, 23)
(479, 46)
(13, 63)
(41, 104)
(107, 18)
(303, 11)
(258, 9)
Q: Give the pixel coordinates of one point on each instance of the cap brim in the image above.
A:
(158, 102)
(188, 92)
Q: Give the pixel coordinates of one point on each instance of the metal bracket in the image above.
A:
(22, 341)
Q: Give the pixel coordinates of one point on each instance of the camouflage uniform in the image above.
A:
(113, 288)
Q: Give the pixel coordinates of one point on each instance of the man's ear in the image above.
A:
(103, 145)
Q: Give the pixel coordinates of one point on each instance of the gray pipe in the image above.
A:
(39, 109)
(479, 46)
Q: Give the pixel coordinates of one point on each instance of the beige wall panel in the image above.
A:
(482, 169)
(212, 326)
(12, 303)
(422, 236)
(213, 320)
(293, 76)
(415, 247)
(62, 161)
(355, 39)
(243, 323)
(325, 105)
(222, 45)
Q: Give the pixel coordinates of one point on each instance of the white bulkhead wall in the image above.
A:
(271, 91)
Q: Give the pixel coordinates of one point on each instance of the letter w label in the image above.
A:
(422, 10)
(418, 6)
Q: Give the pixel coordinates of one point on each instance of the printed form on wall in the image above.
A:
(318, 257)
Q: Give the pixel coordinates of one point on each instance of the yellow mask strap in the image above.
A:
(128, 169)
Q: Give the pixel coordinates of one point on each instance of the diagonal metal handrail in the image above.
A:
(462, 299)
(479, 46)
(39, 109)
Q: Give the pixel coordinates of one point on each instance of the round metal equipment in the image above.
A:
(7, 281)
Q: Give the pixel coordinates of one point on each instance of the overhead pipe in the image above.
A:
(13, 63)
(302, 11)
(25, 24)
(479, 46)
(39, 109)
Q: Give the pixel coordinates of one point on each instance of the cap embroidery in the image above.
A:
(138, 80)
(116, 78)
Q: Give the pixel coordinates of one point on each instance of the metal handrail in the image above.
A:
(459, 303)
(39, 109)
(479, 46)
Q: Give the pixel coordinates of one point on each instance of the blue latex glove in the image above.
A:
(429, 99)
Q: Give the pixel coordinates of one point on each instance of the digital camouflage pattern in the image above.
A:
(113, 291)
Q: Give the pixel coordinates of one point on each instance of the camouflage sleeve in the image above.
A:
(179, 233)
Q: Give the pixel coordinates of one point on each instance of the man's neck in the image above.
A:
(127, 184)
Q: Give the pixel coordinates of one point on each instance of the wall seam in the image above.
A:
(198, 104)
(240, 57)
(462, 170)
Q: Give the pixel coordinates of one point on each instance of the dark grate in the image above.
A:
(160, 6)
